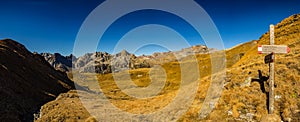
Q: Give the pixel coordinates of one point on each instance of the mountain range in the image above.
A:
(240, 99)
(103, 62)
(37, 87)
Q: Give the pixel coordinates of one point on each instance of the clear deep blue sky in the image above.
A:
(52, 25)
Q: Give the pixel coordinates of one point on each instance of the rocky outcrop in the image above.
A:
(103, 62)
(66, 107)
(59, 62)
(27, 81)
(98, 62)
(122, 61)
(165, 57)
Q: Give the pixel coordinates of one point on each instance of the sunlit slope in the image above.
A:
(241, 102)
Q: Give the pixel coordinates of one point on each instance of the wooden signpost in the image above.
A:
(278, 49)
(270, 59)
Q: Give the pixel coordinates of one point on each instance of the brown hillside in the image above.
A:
(27, 81)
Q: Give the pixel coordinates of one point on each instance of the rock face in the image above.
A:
(27, 81)
(94, 62)
(59, 62)
(166, 57)
(102, 62)
(123, 61)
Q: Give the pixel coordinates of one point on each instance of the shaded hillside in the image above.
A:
(27, 82)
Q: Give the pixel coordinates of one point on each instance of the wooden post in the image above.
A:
(273, 49)
(272, 65)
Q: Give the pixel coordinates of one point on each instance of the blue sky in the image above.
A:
(52, 25)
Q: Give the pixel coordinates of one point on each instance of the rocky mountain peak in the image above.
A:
(59, 62)
(123, 53)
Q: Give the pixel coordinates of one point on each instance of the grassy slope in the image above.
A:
(243, 100)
